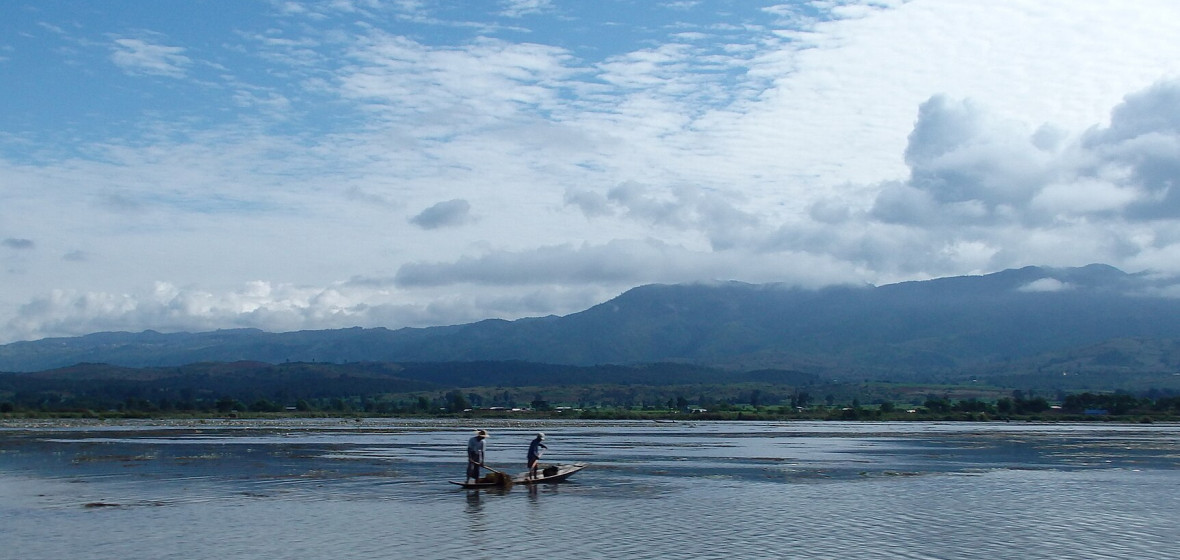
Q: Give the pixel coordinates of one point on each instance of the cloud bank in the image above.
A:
(339, 164)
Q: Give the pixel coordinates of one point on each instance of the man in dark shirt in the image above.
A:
(535, 453)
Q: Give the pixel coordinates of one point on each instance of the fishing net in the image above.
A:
(499, 479)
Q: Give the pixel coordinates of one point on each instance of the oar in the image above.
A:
(485, 465)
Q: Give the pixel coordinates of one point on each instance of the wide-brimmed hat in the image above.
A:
(481, 433)
(540, 435)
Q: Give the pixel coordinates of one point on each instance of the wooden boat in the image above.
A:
(494, 479)
(554, 473)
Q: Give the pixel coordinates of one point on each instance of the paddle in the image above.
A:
(485, 465)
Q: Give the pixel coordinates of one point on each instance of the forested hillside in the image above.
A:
(1017, 322)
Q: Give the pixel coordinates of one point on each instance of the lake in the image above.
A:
(377, 488)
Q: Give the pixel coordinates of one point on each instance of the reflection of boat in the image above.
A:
(552, 473)
(478, 485)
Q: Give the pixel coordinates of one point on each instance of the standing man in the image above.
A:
(475, 449)
(535, 453)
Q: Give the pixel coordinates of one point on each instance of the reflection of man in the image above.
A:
(475, 449)
(535, 454)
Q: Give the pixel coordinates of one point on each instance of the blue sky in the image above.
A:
(298, 165)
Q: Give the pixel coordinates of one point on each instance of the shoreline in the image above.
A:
(839, 415)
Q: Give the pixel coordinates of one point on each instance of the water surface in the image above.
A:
(378, 488)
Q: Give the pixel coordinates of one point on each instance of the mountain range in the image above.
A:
(1092, 320)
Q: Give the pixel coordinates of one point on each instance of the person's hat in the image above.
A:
(481, 433)
(540, 435)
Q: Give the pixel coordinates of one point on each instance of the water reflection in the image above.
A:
(474, 506)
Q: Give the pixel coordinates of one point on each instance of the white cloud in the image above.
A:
(453, 89)
(277, 307)
(1141, 148)
(975, 178)
(140, 56)
(519, 8)
(1082, 197)
(866, 142)
(1045, 285)
(620, 264)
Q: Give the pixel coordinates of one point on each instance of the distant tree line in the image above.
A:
(493, 387)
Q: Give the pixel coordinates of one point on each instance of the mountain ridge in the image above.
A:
(939, 327)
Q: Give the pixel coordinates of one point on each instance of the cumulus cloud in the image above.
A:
(977, 179)
(448, 213)
(1084, 195)
(984, 193)
(1150, 111)
(1141, 149)
(957, 155)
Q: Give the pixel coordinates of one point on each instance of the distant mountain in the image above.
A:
(951, 327)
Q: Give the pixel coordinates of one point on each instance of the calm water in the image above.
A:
(377, 489)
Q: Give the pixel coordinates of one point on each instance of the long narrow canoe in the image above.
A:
(563, 472)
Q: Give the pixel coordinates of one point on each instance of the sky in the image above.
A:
(198, 165)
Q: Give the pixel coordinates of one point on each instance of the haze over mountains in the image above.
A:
(1032, 320)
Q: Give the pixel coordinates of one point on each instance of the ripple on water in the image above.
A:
(700, 490)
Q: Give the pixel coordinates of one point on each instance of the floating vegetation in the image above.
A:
(114, 458)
